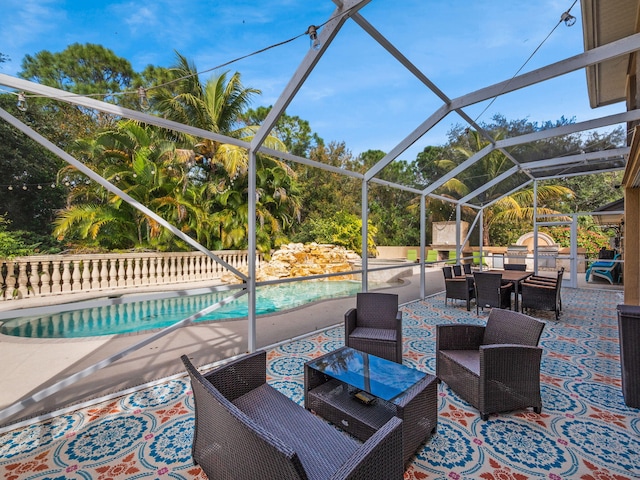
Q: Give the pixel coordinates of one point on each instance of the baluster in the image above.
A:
(137, 271)
(152, 271)
(45, 278)
(104, 273)
(56, 278)
(144, 272)
(203, 267)
(195, 267)
(66, 275)
(174, 268)
(220, 269)
(11, 281)
(95, 274)
(200, 266)
(85, 281)
(23, 280)
(183, 268)
(76, 276)
(113, 273)
(34, 280)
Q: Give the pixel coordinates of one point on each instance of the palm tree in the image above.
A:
(144, 166)
(218, 106)
(215, 106)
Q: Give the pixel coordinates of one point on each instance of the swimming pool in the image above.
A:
(152, 314)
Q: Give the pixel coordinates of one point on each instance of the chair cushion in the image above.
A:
(320, 446)
(469, 359)
(385, 334)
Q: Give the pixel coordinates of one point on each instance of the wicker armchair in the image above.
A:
(490, 292)
(375, 326)
(458, 288)
(246, 429)
(496, 368)
(542, 295)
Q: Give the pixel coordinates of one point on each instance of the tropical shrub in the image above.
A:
(588, 238)
(344, 229)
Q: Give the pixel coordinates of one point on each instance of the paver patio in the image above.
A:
(585, 430)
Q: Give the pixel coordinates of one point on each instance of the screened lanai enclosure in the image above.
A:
(608, 61)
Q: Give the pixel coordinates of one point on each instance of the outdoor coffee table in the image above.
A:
(332, 381)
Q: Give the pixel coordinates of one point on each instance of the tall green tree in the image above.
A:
(85, 69)
(294, 132)
(390, 209)
(29, 194)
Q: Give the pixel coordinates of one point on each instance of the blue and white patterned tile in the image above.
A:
(585, 429)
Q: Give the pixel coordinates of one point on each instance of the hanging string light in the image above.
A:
(22, 102)
(142, 98)
(568, 19)
(312, 31)
(38, 186)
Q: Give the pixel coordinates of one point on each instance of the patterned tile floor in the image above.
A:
(585, 430)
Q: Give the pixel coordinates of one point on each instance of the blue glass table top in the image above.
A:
(382, 378)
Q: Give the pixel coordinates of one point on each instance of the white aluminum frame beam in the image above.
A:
(579, 158)
(460, 168)
(328, 32)
(600, 122)
(490, 184)
(624, 46)
(382, 40)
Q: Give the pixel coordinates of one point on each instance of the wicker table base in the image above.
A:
(333, 400)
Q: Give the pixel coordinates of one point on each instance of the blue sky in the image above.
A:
(358, 93)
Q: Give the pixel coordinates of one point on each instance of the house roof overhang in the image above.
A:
(604, 22)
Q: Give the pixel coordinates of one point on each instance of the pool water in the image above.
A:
(152, 314)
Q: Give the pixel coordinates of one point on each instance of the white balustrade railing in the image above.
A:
(43, 275)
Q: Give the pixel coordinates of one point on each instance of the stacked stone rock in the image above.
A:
(303, 260)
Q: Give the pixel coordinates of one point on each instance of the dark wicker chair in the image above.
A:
(457, 270)
(466, 267)
(490, 292)
(246, 429)
(458, 288)
(448, 272)
(520, 267)
(375, 326)
(495, 368)
(629, 333)
(542, 295)
(545, 279)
